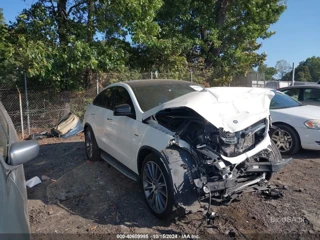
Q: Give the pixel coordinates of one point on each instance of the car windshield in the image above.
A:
(281, 100)
(152, 95)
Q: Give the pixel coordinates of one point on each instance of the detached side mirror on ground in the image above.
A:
(123, 110)
(22, 152)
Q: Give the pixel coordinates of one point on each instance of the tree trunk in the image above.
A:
(62, 20)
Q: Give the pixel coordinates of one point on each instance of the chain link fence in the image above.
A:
(38, 108)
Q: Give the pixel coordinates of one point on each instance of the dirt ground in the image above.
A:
(81, 199)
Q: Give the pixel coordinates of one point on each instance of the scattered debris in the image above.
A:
(45, 178)
(93, 228)
(33, 182)
(231, 233)
(273, 193)
(38, 136)
(299, 190)
(50, 211)
(68, 126)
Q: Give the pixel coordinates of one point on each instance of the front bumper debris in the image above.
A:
(267, 166)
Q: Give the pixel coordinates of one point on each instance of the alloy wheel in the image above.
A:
(89, 143)
(155, 187)
(282, 139)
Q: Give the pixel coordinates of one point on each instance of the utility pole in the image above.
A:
(293, 72)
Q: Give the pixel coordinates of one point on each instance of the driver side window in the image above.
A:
(121, 96)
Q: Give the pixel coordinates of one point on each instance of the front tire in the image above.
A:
(274, 157)
(157, 187)
(286, 139)
(92, 149)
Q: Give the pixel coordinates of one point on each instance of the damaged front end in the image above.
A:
(217, 165)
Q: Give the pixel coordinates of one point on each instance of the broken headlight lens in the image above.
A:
(312, 124)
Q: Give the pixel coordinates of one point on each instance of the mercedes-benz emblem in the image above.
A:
(235, 121)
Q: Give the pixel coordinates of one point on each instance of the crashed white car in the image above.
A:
(183, 143)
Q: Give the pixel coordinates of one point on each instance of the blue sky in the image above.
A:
(297, 32)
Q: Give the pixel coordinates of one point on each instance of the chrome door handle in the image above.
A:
(93, 114)
(109, 119)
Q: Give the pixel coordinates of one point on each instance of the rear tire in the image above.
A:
(286, 139)
(156, 184)
(92, 149)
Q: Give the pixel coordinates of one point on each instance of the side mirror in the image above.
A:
(123, 110)
(22, 152)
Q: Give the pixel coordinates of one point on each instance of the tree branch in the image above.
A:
(74, 6)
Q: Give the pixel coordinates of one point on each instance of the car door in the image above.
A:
(123, 130)
(311, 96)
(100, 117)
(14, 216)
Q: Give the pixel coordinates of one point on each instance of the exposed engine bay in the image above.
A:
(209, 168)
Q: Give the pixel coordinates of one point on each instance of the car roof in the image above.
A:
(301, 86)
(150, 82)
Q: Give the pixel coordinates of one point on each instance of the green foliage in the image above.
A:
(268, 72)
(64, 43)
(218, 36)
(306, 71)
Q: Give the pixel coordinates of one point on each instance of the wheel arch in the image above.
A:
(144, 151)
(179, 168)
(86, 125)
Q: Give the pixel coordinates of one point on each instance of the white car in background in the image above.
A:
(182, 142)
(298, 126)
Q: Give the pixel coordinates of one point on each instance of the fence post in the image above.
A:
(27, 102)
(97, 82)
(21, 113)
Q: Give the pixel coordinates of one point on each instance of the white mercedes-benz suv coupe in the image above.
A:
(183, 143)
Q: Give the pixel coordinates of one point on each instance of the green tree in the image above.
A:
(313, 65)
(282, 67)
(219, 36)
(303, 74)
(306, 71)
(268, 72)
(61, 41)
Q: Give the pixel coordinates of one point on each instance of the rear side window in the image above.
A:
(293, 93)
(104, 99)
(311, 94)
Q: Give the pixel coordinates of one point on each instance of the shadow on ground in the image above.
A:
(92, 190)
(84, 197)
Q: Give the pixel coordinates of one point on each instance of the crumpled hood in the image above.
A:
(232, 108)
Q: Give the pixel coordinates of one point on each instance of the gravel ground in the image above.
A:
(81, 199)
